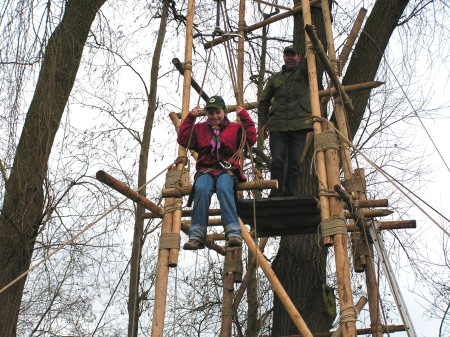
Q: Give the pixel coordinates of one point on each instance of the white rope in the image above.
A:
(45, 258)
(387, 176)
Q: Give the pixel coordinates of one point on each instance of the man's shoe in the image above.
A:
(193, 245)
(234, 241)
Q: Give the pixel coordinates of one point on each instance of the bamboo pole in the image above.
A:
(227, 297)
(345, 53)
(184, 213)
(329, 68)
(352, 87)
(334, 69)
(176, 123)
(228, 277)
(240, 71)
(180, 67)
(340, 248)
(258, 25)
(343, 57)
(328, 173)
(172, 221)
(367, 213)
(243, 186)
(240, 63)
(276, 285)
(316, 115)
(371, 279)
(161, 283)
(322, 93)
(388, 225)
(340, 112)
(128, 192)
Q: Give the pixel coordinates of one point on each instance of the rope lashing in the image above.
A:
(174, 206)
(362, 248)
(328, 193)
(227, 311)
(177, 178)
(233, 266)
(169, 241)
(258, 177)
(326, 140)
(181, 160)
(350, 317)
(333, 226)
(354, 185)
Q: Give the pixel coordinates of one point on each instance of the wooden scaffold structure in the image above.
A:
(343, 210)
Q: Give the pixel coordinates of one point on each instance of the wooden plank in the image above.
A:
(281, 215)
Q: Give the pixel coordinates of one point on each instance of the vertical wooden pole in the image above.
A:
(162, 276)
(172, 221)
(276, 285)
(339, 112)
(240, 65)
(240, 70)
(227, 301)
(232, 256)
(328, 174)
(369, 269)
(316, 115)
(176, 225)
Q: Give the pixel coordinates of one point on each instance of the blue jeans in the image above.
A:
(205, 186)
(286, 145)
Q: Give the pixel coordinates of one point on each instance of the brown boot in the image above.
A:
(193, 245)
(234, 241)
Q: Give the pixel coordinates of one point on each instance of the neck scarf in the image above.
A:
(215, 141)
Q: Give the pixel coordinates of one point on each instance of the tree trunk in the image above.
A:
(300, 264)
(133, 302)
(368, 53)
(23, 206)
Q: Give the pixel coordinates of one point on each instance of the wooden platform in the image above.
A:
(281, 215)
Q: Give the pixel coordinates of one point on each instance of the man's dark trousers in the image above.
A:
(286, 145)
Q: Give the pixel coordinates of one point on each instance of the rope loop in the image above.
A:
(350, 317)
(169, 241)
(332, 226)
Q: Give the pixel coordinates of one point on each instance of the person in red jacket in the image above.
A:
(218, 168)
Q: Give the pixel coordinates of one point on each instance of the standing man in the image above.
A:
(287, 121)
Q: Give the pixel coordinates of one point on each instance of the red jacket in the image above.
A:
(230, 137)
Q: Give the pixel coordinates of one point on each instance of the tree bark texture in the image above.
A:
(300, 263)
(368, 53)
(23, 206)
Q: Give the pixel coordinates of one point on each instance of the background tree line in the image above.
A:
(78, 93)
